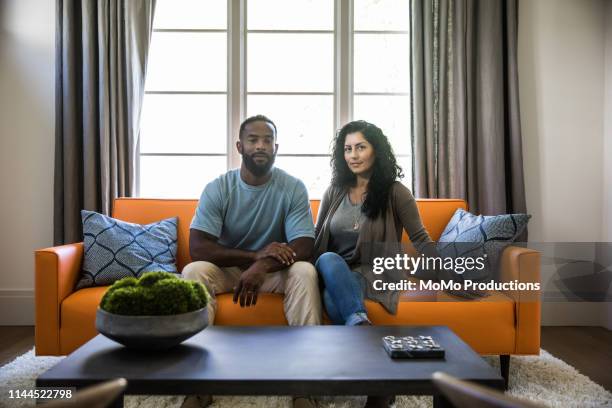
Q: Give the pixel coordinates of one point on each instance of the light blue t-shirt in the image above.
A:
(250, 217)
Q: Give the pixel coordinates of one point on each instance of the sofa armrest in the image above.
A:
(56, 272)
(523, 265)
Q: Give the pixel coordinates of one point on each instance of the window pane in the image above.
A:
(290, 63)
(187, 62)
(390, 113)
(315, 172)
(178, 176)
(382, 14)
(382, 63)
(305, 122)
(184, 124)
(290, 15)
(190, 14)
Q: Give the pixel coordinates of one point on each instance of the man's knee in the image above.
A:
(303, 272)
(199, 270)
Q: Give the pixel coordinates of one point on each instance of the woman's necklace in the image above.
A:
(356, 213)
(356, 218)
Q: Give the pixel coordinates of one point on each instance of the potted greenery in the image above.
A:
(157, 311)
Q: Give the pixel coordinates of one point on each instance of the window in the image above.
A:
(381, 58)
(310, 65)
(184, 124)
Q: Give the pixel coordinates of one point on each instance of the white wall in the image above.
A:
(561, 80)
(27, 31)
(561, 75)
(607, 151)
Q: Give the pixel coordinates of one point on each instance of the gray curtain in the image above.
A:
(101, 56)
(466, 136)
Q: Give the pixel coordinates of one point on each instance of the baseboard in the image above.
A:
(608, 319)
(17, 307)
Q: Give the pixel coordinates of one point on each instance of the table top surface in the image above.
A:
(283, 360)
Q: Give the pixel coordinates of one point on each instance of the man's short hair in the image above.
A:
(256, 118)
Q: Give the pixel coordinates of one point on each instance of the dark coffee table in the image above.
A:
(315, 360)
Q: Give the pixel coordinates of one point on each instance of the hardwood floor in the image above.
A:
(589, 349)
(14, 341)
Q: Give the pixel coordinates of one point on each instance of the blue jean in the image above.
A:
(343, 294)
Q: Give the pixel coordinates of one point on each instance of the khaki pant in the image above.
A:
(298, 282)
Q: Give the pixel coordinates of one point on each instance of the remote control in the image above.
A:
(412, 347)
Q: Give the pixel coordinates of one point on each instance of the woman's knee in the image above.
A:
(332, 268)
(328, 260)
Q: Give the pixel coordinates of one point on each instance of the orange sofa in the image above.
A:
(503, 323)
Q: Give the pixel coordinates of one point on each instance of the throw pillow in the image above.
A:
(114, 249)
(469, 235)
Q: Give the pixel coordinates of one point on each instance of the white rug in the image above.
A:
(543, 379)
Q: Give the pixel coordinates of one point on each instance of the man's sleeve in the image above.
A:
(209, 213)
(298, 222)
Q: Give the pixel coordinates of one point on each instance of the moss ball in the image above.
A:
(126, 301)
(150, 278)
(121, 283)
(154, 294)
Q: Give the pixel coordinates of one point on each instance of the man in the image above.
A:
(253, 232)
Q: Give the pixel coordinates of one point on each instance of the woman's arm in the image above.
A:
(408, 213)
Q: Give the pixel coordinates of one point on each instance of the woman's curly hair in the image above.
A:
(385, 172)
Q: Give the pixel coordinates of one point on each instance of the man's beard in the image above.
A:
(258, 170)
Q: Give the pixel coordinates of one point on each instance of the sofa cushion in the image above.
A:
(115, 249)
(496, 316)
(268, 311)
(469, 235)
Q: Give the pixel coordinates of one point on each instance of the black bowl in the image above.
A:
(151, 332)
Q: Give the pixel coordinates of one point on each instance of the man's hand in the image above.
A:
(279, 251)
(272, 258)
(248, 287)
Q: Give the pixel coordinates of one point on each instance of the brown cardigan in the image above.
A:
(379, 237)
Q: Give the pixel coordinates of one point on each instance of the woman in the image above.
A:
(365, 204)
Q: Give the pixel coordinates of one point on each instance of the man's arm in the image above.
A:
(301, 249)
(252, 278)
(204, 247)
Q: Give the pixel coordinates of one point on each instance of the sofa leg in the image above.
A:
(504, 366)
(197, 401)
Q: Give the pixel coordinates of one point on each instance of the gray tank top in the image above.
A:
(344, 228)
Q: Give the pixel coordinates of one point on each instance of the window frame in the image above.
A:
(236, 92)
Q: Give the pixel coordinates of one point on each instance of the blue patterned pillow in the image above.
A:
(469, 235)
(114, 249)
